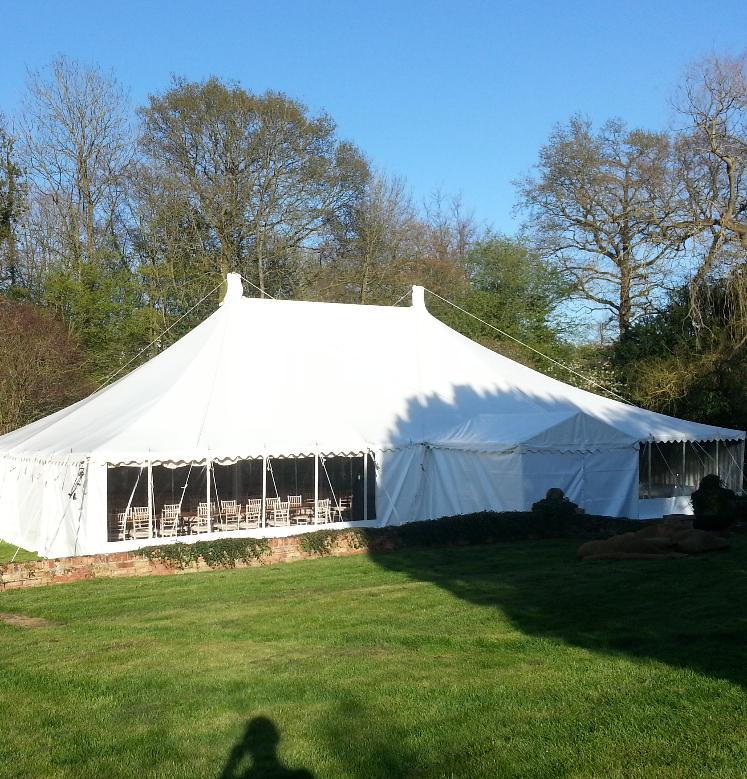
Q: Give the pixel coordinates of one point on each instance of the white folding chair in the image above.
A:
(170, 516)
(230, 515)
(118, 525)
(341, 509)
(201, 524)
(140, 516)
(295, 505)
(280, 514)
(253, 513)
(323, 510)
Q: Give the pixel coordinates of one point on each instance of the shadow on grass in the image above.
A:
(354, 733)
(688, 613)
(255, 755)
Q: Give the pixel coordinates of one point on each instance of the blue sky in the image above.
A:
(451, 95)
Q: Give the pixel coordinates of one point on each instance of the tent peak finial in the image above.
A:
(234, 288)
(418, 296)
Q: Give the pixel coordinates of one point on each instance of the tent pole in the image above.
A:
(741, 467)
(207, 480)
(717, 463)
(650, 486)
(264, 488)
(150, 499)
(365, 485)
(682, 479)
(316, 487)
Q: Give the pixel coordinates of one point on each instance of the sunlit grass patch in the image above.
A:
(505, 660)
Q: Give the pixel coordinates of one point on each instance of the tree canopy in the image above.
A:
(117, 227)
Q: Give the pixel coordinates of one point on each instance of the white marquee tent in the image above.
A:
(451, 426)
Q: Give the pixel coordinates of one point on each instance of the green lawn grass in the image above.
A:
(511, 660)
(8, 550)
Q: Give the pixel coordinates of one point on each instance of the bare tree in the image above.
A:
(598, 206)
(712, 165)
(77, 147)
(713, 149)
(387, 244)
(451, 230)
(371, 258)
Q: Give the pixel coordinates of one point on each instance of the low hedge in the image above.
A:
(486, 527)
(218, 553)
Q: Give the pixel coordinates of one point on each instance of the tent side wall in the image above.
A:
(92, 527)
(51, 506)
(422, 482)
(610, 483)
(10, 527)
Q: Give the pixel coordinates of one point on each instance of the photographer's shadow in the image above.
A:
(255, 755)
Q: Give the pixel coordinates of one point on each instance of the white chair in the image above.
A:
(230, 515)
(280, 514)
(297, 511)
(341, 509)
(201, 524)
(170, 516)
(271, 503)
(141, 527)
(323, 510)
(252, 514)
(118, 525)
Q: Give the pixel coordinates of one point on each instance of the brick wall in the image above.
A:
(108, 566)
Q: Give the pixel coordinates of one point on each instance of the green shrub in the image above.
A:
(489, 527)
(555, 505)
(713, 504)
(486, 527)
(319, 542)
(219, 553)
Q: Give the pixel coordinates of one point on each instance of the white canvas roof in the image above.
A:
(293, 378)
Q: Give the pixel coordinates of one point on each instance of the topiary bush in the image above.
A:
(713, 504)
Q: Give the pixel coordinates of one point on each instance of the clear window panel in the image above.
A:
(127, 497)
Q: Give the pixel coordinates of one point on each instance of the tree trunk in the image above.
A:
(625, 309)
(261, 263)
